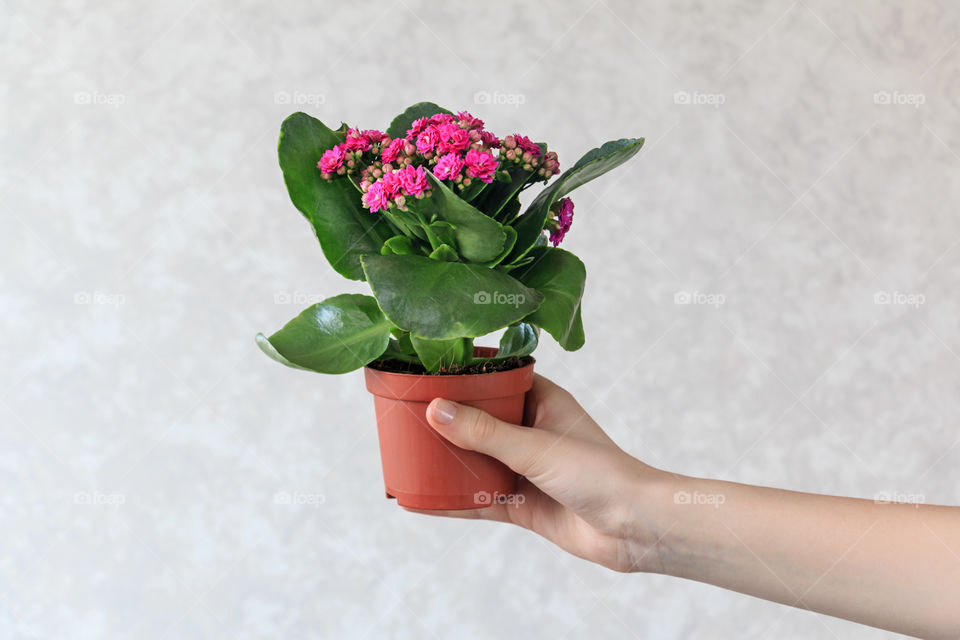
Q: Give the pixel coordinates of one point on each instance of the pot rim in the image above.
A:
(491, 351)
(424, 387)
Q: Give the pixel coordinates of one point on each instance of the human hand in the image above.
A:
(887, 565)
(578, 490)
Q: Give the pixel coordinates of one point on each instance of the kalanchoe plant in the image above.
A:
(428, 213)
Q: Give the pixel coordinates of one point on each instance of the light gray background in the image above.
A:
(146, 446)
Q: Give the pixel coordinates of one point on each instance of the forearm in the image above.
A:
(894, 566)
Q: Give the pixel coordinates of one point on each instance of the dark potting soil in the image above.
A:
(487, 366)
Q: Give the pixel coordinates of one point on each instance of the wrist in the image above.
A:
(661, 519)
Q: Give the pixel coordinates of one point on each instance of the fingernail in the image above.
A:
(444, 411)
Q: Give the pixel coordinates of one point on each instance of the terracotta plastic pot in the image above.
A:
(423, 470)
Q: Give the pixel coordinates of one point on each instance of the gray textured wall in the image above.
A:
(798, 162)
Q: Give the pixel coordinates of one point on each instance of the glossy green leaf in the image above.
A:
(436, 355)
(593, 164)
(444, 232)
(518, 340)
(268, 349)
(507, 246)
(401, 245)
(444, 252)
(398, 128)
(396, 351)
(344, 228)
(337, 335)
(444, 300)
(559, 276)
(478, 238)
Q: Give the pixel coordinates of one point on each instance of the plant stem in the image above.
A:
(467, 352)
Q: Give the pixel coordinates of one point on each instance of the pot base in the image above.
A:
(423, 470)
(427, 502)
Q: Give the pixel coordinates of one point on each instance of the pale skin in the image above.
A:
(892, 566)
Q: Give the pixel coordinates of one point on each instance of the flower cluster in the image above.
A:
(561, 218)
(520, 150)
(455, 148)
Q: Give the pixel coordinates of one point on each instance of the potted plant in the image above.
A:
(429, 214)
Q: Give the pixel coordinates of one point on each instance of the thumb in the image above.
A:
(520, 448)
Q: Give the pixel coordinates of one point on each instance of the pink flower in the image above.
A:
(563, 222)
(566, 213)
(524, 143)
(452, 138)
(551, 166)
(391, 184)
(448, 167)
(469, 121)
(376, 197)
(331, 160)
(481, 164)
(441, 118)
(427, 140)
(418, 125)
(356, 141)
(392, 150)
(413, 180)
(489, 139)
(373, 135)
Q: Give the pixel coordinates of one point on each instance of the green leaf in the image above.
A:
(444, 300)
(479, 237)
(337, 335)
(518, 340)
(593, 164)
(444, 252)
(401, 245)
(444, 231)
(398, 128)
(507, 246)
(525, 260)
(559, 276)
(401, 349)
(501, 192)
(344, 228)
(473, 191)
(268, 349)
(436, 355)
(509, 211)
